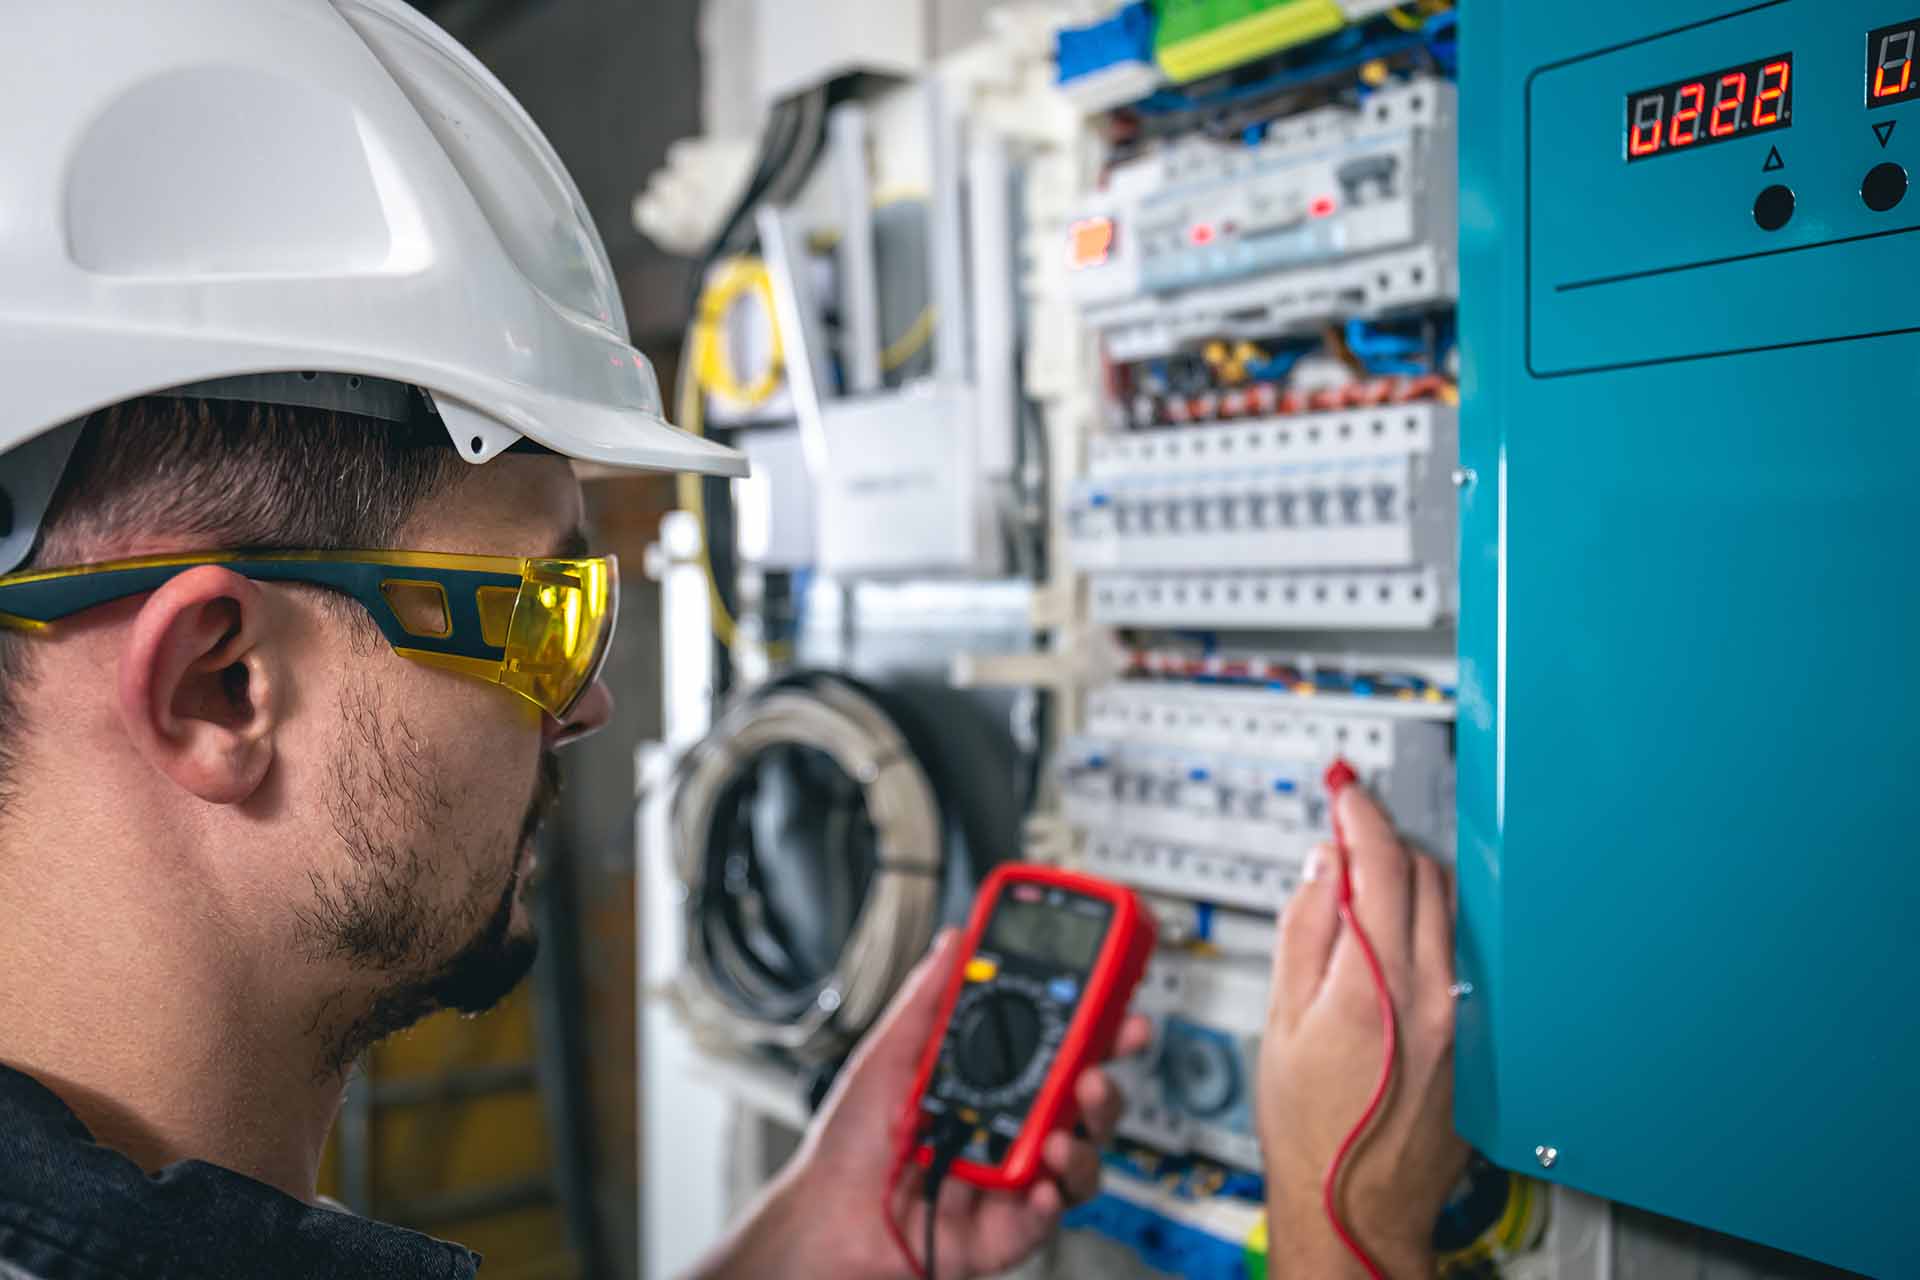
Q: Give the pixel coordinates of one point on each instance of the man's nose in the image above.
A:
(589, 715)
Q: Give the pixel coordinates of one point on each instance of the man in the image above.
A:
(292, 355)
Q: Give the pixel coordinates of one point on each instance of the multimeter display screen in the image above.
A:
(1053, 935)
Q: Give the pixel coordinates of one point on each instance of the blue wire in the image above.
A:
(1364, 341)
(1274, 367)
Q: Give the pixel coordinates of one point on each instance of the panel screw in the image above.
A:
(1546, 1156)
(1463, 477)
(828, 1000)
(1460, 990)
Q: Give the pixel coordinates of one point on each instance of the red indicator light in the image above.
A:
(1201, 233)
(1089, 242)
(1323, 207)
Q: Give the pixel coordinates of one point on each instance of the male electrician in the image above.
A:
(300, 322)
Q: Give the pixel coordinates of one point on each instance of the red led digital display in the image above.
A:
(1890, 51)
(1755, 97)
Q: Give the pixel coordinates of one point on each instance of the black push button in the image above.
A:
(1885, 187)
(1774, 208)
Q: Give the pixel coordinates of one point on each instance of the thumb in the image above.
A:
(897, 1041)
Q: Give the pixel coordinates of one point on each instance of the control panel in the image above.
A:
(1726, 176)
(1687, 362)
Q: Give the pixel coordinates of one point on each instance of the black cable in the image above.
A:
(950, 1137)
(927, 1253)
(776, 143)
(775, 176)
(816, 148)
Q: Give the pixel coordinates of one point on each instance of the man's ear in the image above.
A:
(199, 690)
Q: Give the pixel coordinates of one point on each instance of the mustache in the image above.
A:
(546, 795)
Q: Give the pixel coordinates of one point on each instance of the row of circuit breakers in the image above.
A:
(1271, 520)
(1252, 512)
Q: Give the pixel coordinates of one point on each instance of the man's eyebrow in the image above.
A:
(573, 545)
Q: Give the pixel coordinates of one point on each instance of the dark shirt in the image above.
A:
(71, 1209)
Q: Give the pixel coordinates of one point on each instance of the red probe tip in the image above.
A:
(1340, 776)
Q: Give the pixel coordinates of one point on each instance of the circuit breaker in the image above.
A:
(1686, 837)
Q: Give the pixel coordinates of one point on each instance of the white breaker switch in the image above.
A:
(1216, 795)
(1338, 212)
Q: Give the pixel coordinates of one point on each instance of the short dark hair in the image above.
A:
(226, 474)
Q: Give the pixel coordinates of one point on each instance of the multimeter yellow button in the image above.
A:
(969, 1116)
(980, 969)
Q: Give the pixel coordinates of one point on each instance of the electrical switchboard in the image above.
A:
(1686, 840)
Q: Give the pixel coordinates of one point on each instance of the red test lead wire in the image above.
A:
(1339, 777)
(902, 1153)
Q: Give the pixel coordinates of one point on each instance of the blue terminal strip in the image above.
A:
(1173, 1248)
(1125, 38)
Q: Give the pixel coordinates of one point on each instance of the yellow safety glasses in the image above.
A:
(540, 627)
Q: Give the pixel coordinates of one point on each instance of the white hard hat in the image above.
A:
(203, 191)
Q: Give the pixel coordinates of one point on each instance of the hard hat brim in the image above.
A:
(495, 413)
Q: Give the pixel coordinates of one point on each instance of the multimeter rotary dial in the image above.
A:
(1002, 1041)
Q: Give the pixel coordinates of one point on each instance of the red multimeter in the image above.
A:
(1049, 964)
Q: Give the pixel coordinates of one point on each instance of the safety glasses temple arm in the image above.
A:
(43, 599)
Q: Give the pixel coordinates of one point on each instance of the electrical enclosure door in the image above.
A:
(1689, 722)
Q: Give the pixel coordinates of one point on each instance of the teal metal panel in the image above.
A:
(1689, 596)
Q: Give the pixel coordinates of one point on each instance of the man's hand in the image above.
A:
(1321, 1053)
(823, 1217)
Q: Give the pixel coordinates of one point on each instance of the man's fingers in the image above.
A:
(1382, 875)
(897, 1040)
(958, 1200)
(1136, 1037)
(1100, 1104)
(1307, 933)
(1045, 1202)
(1009, 1228)
(1076, 1164)
(1432, 925)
